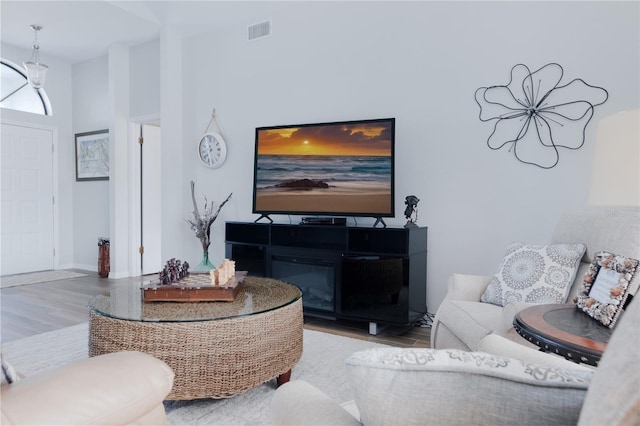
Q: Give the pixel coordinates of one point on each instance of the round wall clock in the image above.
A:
(212, 150)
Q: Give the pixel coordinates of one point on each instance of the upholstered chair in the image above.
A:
(400, 386)
(121, 388)
(463, 319)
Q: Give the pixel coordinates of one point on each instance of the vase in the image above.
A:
(104, 264)
(205, 265)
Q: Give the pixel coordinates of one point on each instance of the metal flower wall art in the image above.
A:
(535, 115)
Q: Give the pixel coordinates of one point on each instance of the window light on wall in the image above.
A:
(17, 94)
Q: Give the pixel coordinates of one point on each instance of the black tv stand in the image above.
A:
(379, 220)
(376, 275)
(263, 216)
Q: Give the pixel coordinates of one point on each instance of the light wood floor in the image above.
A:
(37, 308)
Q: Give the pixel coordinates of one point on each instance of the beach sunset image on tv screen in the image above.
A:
(329, 168)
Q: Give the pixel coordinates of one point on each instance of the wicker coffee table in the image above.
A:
(216, 349)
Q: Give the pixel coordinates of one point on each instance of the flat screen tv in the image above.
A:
(325, 169)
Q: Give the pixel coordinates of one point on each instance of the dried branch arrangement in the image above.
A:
(201, 223)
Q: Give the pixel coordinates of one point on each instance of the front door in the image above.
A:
(26, 233)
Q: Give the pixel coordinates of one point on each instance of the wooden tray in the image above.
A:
(194, 288)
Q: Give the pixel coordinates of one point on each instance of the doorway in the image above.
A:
(147, 198)
(27, 223)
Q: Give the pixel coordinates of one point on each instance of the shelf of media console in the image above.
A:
(347, 239)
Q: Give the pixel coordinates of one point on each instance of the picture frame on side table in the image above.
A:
(92, 155)
(605, 287)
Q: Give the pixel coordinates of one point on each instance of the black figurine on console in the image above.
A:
(411, 202)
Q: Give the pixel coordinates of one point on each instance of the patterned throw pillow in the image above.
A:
(535, 274)
(9, 374)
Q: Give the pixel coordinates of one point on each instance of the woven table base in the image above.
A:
(210, 359)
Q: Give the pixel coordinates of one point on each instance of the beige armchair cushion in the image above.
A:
(467, 287)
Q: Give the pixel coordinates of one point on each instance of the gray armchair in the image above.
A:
(397, 386)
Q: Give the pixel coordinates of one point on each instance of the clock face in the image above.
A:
(212, 150)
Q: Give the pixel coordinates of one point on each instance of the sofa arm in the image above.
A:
(115, 389)
(467, 287)
(443, 387)
(299, 403)
(509, 312)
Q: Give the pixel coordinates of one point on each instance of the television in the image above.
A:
(325, 169)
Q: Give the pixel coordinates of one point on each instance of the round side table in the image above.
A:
(564, 330)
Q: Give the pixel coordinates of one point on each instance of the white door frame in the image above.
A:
(135, 189)
(54, 141)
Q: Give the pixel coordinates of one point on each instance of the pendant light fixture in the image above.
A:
(36, 71)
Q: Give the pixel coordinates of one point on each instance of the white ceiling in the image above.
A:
(79, 30)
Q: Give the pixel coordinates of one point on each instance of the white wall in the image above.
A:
(145, 79)
(417, 61)
(91, 201)
(421, 63)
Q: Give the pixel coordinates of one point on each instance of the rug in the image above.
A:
(322, 364)
(37, 277)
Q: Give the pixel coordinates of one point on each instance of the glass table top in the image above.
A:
(256, 296)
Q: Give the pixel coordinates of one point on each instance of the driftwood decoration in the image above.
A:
(201, 223)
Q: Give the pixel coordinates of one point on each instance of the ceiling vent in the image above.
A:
(258, 31)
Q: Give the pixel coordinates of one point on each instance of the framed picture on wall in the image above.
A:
(92, 155)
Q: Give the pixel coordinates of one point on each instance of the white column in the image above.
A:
(119, 163)
(174, 187)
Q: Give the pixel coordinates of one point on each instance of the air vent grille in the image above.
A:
(261, 30)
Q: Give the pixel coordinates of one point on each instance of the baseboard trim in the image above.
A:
(92, 268)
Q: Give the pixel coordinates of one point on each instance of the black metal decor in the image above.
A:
(535, 115)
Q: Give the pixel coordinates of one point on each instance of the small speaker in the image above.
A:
(324, 221)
